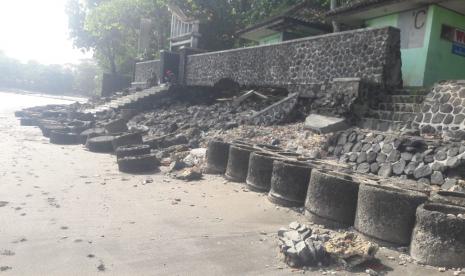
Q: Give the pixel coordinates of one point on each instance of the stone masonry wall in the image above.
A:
(388, 155)
(370, 54)
(443, 110)
(144, 70)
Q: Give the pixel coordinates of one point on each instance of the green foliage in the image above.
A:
(111, 27)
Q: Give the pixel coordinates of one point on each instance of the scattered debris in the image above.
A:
(303, 247)
(351, 250)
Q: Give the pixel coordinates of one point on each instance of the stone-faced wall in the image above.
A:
(144, 71)
(443, 110)
(370, 54)
(438, 163)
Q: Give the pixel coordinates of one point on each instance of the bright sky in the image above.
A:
(37, 30)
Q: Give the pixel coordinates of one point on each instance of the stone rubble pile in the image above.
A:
(292, 137)
(220, 116)
(431, 162)
(306, 247)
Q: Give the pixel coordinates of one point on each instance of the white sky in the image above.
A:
(37, 30)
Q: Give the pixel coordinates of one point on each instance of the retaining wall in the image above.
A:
(443, 110)
(370, 54)
(144, 71)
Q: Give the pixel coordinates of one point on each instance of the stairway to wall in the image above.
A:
(395, 111)
(129, 101)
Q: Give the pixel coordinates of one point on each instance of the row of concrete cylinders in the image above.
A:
(388, 215)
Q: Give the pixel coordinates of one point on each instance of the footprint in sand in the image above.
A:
(101, 267)
(3, 203)
(5, 268)
(21, 240)
(7, 253)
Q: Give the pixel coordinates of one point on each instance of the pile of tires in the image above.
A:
(138, 164)
(64, 138)
(132, 150)
(100, 144)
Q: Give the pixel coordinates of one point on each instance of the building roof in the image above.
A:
(303, 15)
(357, 10)
(360, 4)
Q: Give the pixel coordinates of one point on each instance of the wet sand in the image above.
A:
(67, 211)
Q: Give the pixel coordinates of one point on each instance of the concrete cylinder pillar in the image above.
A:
(332, 199)
(289, 183)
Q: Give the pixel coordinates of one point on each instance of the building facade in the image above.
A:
(432, 34)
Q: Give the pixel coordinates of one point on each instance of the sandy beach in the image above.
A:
(67, 211)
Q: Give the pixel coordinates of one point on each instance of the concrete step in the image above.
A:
(411, 91)
(416, 99)
(124, 101)
(400, 107)
(382, 125)
(392, 115)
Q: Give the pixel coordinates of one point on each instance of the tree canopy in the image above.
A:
(111, 27)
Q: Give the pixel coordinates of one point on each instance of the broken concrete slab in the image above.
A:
(325, 124)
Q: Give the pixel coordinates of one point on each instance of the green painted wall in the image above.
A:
(271, 39)
(441, 62)
(423, 66)
(414, 59)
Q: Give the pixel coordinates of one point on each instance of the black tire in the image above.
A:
(25, 121)
(132, 150)
(101, 144)
(138, 164)
(64, 138)
(20, 113)
(116, 126)
(127, 139)
(91, 133)
(48, 128)
(79, 126)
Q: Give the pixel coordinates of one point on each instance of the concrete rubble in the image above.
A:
(303, 246)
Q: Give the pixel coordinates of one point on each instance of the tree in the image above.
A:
(111, 27)
(86, 76)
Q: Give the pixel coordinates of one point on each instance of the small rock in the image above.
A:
(294, 225)
(453, 162)
(385, 170)
(422, 171)
(441, 156)
(451, 216)
(190, 174)
(371, 272)
(437, 178)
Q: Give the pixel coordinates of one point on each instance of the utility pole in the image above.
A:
(335, 24)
